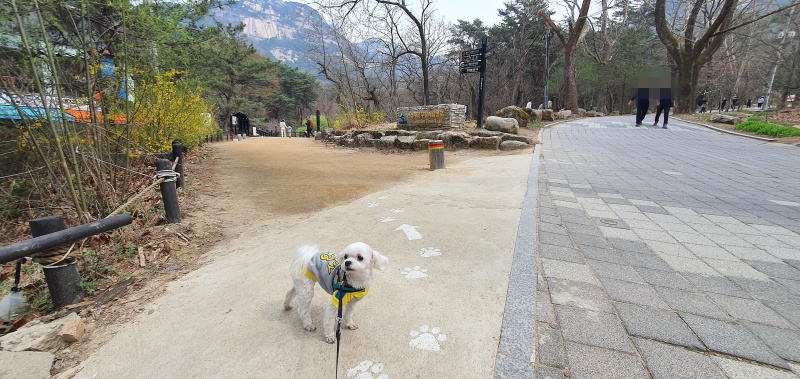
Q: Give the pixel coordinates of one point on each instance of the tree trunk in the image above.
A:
(570, 79)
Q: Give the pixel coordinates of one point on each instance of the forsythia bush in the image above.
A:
(168, 109)
(358, 118)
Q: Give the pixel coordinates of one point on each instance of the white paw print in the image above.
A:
(383, 197)
(367, 370)
(396, 210)
(427, 252)
(372, 205)
(415, 272)
(427, 339)
(386, 219)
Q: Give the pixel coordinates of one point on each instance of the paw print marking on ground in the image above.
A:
(427, 252)
(396, 210)
(386, 219)
(372, 205)
(383, 197)
(415, 272)
(427, 338)
(367, 370)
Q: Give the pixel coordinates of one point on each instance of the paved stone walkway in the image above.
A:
(666, 253)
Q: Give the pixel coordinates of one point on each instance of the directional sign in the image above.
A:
(410, 231)
(471, 52)
(470, 64)
(471, 58)
(471, 69)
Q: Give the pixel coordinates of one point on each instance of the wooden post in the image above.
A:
(169, 194)
(63, 279)
(177, 153)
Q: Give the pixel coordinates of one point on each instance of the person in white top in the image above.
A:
(283, 128)
(529, 105)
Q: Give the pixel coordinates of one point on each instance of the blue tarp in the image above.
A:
(9, 112)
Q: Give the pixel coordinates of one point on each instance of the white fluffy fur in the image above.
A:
(359, 275)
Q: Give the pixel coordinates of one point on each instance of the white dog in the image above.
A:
(311, 265)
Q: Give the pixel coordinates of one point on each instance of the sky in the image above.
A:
(468, 10)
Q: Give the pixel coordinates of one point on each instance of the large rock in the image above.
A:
(485, 133)
(513, 145)
(564, 113)
(581, 112)
(491, 143)
(387, 142)
(428, 134)
(454, 140)
(725, 119)
(516, 113)
(548, 115)
(406, 142)
(420, 144)
(500, 124)
(536, 115)
(512, 137)
(37, 336)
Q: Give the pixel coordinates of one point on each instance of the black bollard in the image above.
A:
(169, 194)
(177, 153)
(63, 279)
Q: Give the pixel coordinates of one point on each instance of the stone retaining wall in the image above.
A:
(412, 140)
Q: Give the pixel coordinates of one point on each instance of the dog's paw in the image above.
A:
(330, 339)
(352, 326)
(311, 327)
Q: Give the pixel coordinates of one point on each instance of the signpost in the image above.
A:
(475, 61)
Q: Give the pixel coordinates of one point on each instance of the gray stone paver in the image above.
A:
(700, 255)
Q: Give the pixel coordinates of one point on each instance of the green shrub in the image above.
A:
(768, 129)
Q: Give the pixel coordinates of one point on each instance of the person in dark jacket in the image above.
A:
(642, 99)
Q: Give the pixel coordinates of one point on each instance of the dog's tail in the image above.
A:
(303, 255)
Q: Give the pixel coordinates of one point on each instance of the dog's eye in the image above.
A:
(360, 258)
(345, 256)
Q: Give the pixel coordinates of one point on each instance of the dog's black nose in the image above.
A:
(347, 263)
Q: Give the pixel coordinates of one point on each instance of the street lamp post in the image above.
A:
(547, 33)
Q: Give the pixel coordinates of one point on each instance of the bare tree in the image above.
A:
(571, 41)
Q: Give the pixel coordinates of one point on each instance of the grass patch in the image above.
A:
(768, 129)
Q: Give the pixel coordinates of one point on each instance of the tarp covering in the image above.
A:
(9, 112)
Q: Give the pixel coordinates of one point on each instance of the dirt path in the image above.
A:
(253, 186)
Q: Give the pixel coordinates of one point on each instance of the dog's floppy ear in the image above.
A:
(379, 261)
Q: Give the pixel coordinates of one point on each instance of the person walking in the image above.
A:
(749, 102)
(760, 102)
(735, 103)
(723, 104)
(289, 130)
(642, 98)
(701, 105)
(283, 128)
(309, 127)
(665, 102)
(529, 105)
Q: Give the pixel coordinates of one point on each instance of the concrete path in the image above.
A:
(666, 254)
(435, 312)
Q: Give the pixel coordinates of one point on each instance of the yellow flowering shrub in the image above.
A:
(168, 109)
(358, 118)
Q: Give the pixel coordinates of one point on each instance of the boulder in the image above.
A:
(387, 142)
(548, 115)
(491, 143)
(512, 137)
(454, 140)
(725, 119)
(516, 113)
(420, 144)
(485, 133)
(564, 113)
(615, 113)
(37, 336)
(406, 142)
(513, 145)
(536, 116)
(581, 112)
(428, 134)
(500, 124)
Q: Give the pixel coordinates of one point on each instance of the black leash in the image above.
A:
(340, 289)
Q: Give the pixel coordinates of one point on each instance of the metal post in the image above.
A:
(482, 87)
(317, 120)
(63, 279)
(177, 153)
(168, 194)
(547, 32)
